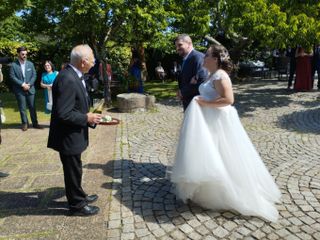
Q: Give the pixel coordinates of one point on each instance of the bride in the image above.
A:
(216, 165)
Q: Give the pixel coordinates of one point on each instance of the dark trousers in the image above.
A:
(291, 73)
(72, 169)
(24, 100)
(186, 102)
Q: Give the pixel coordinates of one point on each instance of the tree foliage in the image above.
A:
(55, 26)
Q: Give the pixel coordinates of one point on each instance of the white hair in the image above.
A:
(79, 52)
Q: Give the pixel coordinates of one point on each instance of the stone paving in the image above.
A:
(284, 126)
(126, 164)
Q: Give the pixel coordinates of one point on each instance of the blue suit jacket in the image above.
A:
(191, 67)
(17, 78)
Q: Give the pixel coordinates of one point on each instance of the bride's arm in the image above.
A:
(224, 88)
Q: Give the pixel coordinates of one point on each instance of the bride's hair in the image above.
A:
(222, 54)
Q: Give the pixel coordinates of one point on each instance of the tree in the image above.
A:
(276, 24)
(96, 22)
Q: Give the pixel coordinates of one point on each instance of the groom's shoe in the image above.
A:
(86, 211)
(91, 198)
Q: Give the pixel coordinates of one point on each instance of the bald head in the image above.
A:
(82, 57)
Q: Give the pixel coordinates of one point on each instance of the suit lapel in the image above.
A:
(80, 85)
(19, 69)
(26, 73)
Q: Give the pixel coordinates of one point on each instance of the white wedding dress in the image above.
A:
(216, 164)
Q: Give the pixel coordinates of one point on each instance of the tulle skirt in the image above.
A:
(217, 166)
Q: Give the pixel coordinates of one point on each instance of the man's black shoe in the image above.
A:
(91, 198)
(4, 174)
(85, 211)
(24, 127)
(37, 126)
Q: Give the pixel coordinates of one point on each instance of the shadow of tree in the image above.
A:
(248, 100)
(18, 126)
(48, 202)
(307, 121)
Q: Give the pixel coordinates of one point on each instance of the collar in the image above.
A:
(79, 73)
(185, 58)
(22, 62)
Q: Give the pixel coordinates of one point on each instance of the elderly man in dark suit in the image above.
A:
(70, 119)
(192, 72)
(23, 76)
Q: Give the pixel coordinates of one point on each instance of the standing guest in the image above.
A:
(303, 72)
(4, 60)
(176, 69)
(316, 64)
(292, 56)
(135, 71)
(1, 79)
(47, 80)
(144, 72)
(63, 65)
(1, 74)
(192, 73)
(23, 76)
(216, 164)
(70, 119)
(160, 73)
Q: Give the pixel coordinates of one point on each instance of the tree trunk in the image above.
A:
(103, 76)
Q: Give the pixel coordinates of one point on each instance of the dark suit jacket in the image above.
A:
(68, 126)
(17, 78)
(191, 67)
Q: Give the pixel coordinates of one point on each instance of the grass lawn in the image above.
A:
(158, 89)
(12, 113)
(161, 90)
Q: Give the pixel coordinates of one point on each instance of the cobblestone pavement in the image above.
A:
(126, 166)
(284, 126)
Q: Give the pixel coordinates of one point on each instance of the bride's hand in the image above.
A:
(201, 101)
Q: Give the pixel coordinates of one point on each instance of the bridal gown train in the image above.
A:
(216, 164)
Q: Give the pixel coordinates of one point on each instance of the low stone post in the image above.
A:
(133, 102)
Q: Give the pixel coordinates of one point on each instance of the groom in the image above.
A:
(70, 119)
(192, 73)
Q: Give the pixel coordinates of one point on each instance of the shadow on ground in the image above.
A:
(18, 126)
(307, 121)
(248, 100)
(144, 189)
(48, 202)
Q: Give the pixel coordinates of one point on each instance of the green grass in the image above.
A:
(161, 90)
(158, 89)
(12, 113)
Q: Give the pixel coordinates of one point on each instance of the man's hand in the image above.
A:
(194, 80)
(93, 118)
(201, 101)
(25, 86)
(179, 95)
